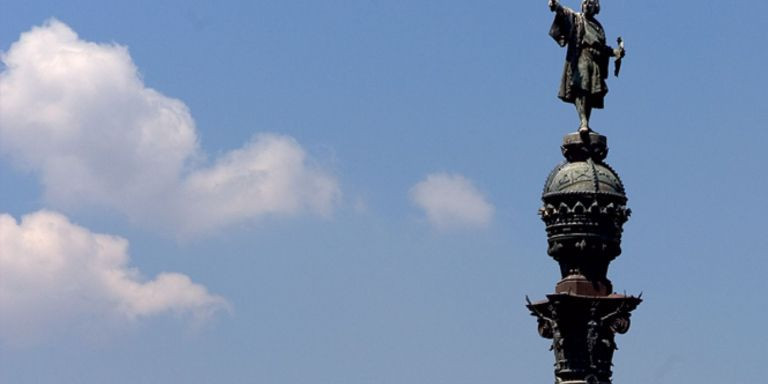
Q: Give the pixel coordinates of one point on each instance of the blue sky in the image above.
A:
(346, 191)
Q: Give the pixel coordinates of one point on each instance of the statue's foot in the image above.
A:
(584, 129)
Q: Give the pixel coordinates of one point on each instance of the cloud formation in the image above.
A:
(78, 114)
(450, 201)
(268, 175)
(54, 274)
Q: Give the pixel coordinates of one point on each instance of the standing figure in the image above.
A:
(549, 329)
(600, 334)
(587, 58)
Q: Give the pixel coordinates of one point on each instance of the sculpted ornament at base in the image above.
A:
(586, 59)
(582, 330)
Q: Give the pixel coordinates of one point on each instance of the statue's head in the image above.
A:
(590, 7)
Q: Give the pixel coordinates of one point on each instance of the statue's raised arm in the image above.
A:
(587, 57)
(553, 4)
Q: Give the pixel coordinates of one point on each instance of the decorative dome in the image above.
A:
(583, 177)
(584, 209)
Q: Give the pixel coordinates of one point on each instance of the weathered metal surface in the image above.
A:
(584, 210)
(582, 330)
(587, 57)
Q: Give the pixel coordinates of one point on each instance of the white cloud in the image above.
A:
(78, 114)
(54, 274)
(268, 175)
(451, 201)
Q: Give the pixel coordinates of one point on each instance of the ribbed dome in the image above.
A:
(583, 177)
(585, 208)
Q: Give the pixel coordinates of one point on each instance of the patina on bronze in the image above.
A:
(584, 208)
(586, 59)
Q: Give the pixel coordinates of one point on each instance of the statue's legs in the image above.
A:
(585, 111)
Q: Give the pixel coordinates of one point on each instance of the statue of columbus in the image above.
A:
(586, 59)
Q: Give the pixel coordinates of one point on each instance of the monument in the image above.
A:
(584, 210)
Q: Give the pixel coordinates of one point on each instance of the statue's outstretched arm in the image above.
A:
(618, 311)
(536, 313)
(553, 5)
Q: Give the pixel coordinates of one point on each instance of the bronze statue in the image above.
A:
(587, 58)
(600, 341)
(549, 329)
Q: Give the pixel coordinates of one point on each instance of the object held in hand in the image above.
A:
(619, 56)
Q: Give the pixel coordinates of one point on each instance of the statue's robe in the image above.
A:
(587, 57)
